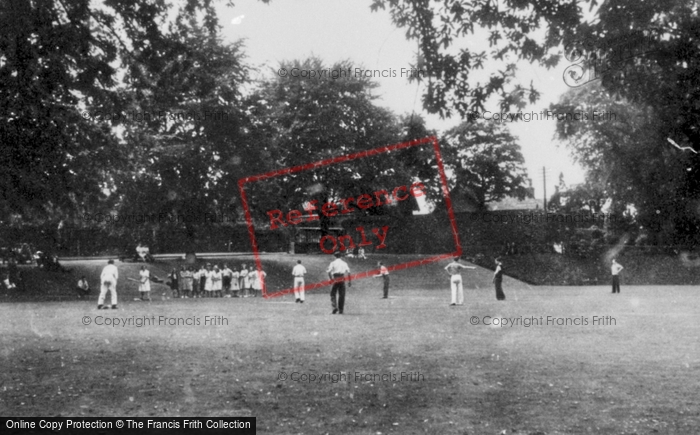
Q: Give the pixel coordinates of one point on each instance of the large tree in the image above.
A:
(484, 162)
(625, 154)
(62, 72)
(188, 92)
(318, 118)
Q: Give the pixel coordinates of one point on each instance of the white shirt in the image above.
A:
(110, 274)
(299, 271)
(616, 268)
(338, 266)
(453, 268)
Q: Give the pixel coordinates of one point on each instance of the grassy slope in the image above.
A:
(638, 376)
(554, 269)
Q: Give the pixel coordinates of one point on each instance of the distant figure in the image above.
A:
(257, 280)
(145, 284)
(336, 270)
(615, 269)
(216, 282)
(226, 275)
(244, 281)
(13, 272)
(498, 280)
(361, 253)
(140, 253)
(208, 282)
(9, 285)
(83, 287)
(456, 281)
(384, 273)
(235, 283)
(174, 282)
(298, 272)
(108, 280)
(189, 280)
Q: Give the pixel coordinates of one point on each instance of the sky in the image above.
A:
(335, 30)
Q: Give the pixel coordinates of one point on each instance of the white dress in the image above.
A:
(145, 283)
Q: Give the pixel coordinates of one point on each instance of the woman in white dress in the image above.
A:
(208, 284)
(257, 278)
(216, 280)
(245, 281)
(145, 284)
(235, 286)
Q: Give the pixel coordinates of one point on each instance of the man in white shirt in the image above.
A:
(615, 269)
(336, 270)
(108, 280)
(299, 271)
(456, 280)
(384, 273)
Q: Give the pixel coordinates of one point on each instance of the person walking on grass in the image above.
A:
(498, 280)
(456, 281)
(616, 268)
(337, 271)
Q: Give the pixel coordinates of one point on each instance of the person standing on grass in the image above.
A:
(174, 286)
(108, 281)
(498, 280)
(189, 279)
(226, 275)
(337, 271)
(384, 273)
(257, 279)
(298, 272)
(235, 286)
(244, 281)
(615, 269)
(216, 282)
(181, 282)
(456, 281)
(145, 284)
(208, 281)
(202, 281)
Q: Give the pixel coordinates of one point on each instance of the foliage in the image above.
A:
(628, 160)
(62, 81)
(484, 162)
(513, 30)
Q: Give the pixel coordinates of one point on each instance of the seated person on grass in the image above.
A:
(83, 288)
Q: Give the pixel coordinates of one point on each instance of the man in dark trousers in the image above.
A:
(336, 270)
(615, 269)
(498, 280)
(384, 274)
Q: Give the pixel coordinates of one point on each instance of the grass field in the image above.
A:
(640, 375)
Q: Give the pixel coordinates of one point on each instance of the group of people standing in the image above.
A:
(214, 282)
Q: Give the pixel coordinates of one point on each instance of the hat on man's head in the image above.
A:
(338, 254)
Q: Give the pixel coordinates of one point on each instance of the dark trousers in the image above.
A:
(386, 286)
(616, 284)
(338, 287)
(499, 290)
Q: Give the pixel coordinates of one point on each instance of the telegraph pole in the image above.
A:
(544, 185)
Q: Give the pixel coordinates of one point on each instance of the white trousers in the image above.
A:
(457, 289)
(299, 287)
(108, 287)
